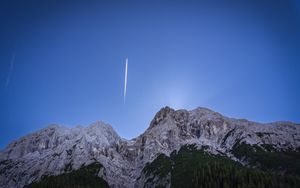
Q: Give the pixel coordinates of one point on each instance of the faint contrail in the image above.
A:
(125, 84)
(10, 71)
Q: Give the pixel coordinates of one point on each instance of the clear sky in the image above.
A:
(64, 62)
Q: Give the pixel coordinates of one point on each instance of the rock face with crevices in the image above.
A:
(56, 150)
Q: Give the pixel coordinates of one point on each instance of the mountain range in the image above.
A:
(180, 148)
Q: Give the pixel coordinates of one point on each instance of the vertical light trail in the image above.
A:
(125, 84)
(10, 71)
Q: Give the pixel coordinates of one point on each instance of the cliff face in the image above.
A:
(57, 150)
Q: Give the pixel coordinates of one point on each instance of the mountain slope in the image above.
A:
(58, 150)
(86, 176)
(194, 167)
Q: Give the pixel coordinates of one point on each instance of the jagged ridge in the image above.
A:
(56, 150)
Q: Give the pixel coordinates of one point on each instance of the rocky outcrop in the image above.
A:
(56, 150)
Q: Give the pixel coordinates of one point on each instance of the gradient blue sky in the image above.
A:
(64, 62)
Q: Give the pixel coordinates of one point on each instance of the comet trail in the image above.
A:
(125, 84)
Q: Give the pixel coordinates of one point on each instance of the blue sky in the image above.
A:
(64, 62)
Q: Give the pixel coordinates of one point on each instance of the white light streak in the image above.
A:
(125, 83)
(10, 71)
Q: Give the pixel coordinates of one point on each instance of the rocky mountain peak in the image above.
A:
(56, 149)
(102, 132)
(101, 127)
(160, 115)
